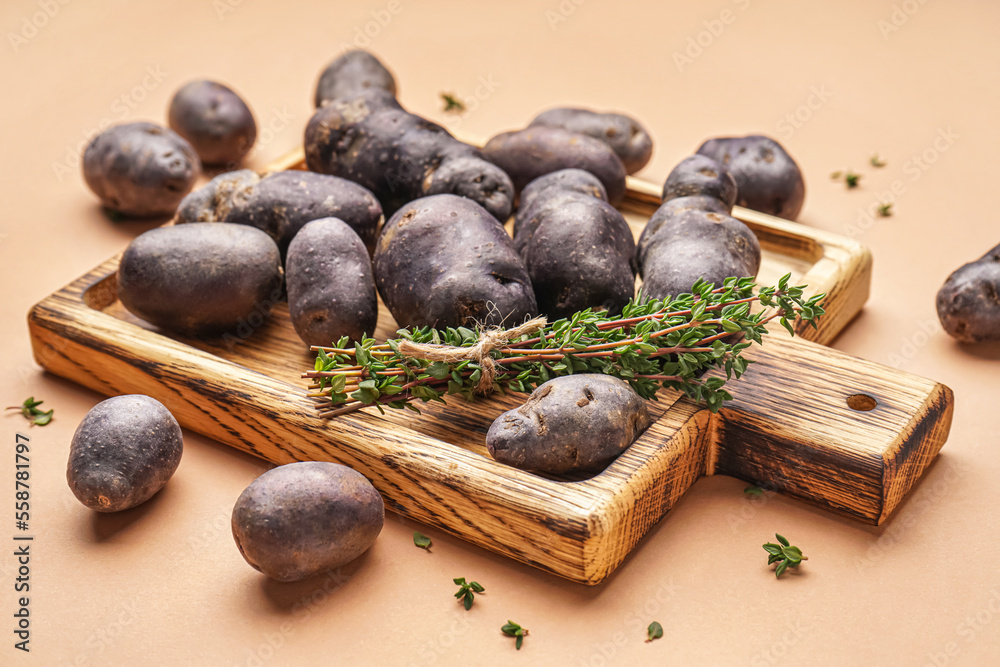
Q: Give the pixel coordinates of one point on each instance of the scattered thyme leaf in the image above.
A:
(836, 175)
(512, 629)
(784, 554)
(29, 410)
(851, 179)
(467, 591)
(753, 490)
(422, 541)
(885, 210)
(452, 104)
(654, 631)
(876, 161)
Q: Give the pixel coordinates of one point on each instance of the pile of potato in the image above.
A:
(443, 258)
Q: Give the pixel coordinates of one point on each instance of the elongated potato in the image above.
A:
(444, 261)
(538, 150)
(363, 134)
(692, 236)
(626, 136)
(282, 202)
(123, 452)
(577, 248)
(140, 169)
(331, 289)
(303, 518)
(768, 178)
(572, 423)
(200, 280)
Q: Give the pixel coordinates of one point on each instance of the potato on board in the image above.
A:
(200, 280)
(625, 135)
(215, 120)
(571, 423)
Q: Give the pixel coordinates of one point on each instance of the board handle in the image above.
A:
(847, 434)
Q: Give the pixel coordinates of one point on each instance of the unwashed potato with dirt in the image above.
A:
(123, 452)
(353, 73)
(444, 261)
(282, 202)
(692, 235)
(540, 149)
(363, 134)
(200, 280)
(331, 289)
(140, 169)
(968, 304)
(301, 519)
(768, 178)
(626, 136)
(577, 248)
(571, 423)
(215, 120)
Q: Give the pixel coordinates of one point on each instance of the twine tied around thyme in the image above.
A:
(489, 340)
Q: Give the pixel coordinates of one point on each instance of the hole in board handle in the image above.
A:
(861, 402)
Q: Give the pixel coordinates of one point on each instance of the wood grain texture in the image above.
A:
(787, 427)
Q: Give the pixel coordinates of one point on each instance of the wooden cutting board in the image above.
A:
(840, 432)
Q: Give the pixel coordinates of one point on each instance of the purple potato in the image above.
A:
(767, 177)
(572, 423)
(626, 136)
(304, 518)
(140, 169)
(331, 289)
(123, 452)
(215, 120)
(968, 304)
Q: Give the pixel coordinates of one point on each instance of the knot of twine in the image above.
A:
(489, 340)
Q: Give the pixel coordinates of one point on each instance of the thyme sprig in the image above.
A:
(653, 344)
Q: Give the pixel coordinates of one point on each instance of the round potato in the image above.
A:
(768, 178)
(538, 150)
(331, 289)
(140, 169)
(564, 180)
(200, 280)
(282, 202)
(968, 304)
(626, 136)
(301, 519)
(123, 452)
(444, 261)
(215, 120)
(572, 423)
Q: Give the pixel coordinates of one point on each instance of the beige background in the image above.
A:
(164, 584)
